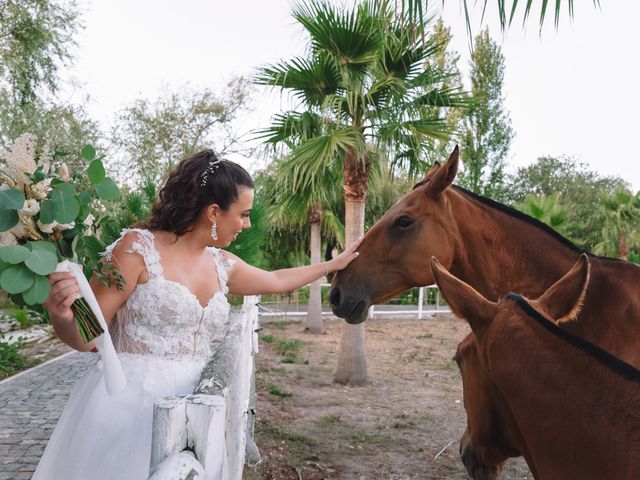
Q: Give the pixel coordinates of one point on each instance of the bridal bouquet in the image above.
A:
(46, 217)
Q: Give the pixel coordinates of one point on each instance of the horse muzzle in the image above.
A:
(475, 468)
(352, 309)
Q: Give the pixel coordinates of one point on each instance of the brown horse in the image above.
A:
(572, 409)
(492, 247)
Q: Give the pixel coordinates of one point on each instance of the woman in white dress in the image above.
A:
(165, 321)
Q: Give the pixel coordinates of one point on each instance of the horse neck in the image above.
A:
(568, 405)
(498, 253)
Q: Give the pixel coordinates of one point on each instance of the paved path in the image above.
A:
(30, 405)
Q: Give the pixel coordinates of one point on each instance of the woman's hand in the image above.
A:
(345, 258)
(64, 291)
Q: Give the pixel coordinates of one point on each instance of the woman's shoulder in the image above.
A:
(131, 240)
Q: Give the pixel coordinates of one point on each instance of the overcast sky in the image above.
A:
(574, 91)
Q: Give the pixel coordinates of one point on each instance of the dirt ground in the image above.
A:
(406, 424)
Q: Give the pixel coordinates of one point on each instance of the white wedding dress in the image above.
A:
(163, 336)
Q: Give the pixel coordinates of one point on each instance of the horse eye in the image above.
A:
(403, 222)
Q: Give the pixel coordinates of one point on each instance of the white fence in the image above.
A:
(429, 301)
(208, 434)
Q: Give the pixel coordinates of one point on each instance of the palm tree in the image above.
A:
(547, 209)
(367, 81)
(315, 208)
(620, 213)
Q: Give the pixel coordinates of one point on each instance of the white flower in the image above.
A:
(7, 238)
(41, 189)
(64, 173)
(21, 159)
(50, 227)
(89, 220)
(31, 207)
(65, 226)
(47, 227)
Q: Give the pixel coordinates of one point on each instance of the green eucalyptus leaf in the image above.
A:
(8, 219)
(107, 189)
(66, 188)
(38, 292)
(42, 262)
(16, 279)
(67, 206)
(47, 211)
(88, 152)
(11, 199)
(85, 198)
(42, 245)
(84, 212)
(96, 172)
(14, 254)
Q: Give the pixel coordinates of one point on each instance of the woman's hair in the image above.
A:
(195, 183)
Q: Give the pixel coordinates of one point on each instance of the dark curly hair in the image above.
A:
(184, 195)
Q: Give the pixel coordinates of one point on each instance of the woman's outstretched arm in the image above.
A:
(245, 279)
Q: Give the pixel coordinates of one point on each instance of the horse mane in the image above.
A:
(601, 356)
(512, 212)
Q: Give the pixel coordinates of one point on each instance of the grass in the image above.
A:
(272, 388)
(11, 360)
(287, 348)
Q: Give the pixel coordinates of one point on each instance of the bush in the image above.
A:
(10, 358)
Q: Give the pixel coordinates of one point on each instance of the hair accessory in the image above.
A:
(212, 167)
(214, 231)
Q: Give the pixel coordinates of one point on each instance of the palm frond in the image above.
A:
(352, 36)
(307, 162)
(310, 80)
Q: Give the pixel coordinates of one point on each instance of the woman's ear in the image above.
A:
(212, 212)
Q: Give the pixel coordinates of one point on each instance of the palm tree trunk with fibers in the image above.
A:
(313, 323)
(623, 249)
(352, 361)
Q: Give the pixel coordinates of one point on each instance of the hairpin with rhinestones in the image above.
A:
(212, 167)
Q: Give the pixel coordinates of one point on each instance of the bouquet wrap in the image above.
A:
(114, 378)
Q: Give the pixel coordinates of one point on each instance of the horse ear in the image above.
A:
(441, 178)
(563, 300)
(465, 302)
(434, 168)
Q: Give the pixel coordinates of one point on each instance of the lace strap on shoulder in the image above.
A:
(224, 264)
(143, 246)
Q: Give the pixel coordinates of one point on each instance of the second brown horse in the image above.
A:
(570, 408)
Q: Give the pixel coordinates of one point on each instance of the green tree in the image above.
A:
(548, 209)
(150, 136)
(620, 212)
(367, 78)
(579, 187)
(488, 133)
(36, 38)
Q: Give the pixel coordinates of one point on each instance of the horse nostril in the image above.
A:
(334, 297)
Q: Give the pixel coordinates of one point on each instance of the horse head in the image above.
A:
(395, 252)
(492, 434)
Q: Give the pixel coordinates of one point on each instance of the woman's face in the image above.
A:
(236, 218)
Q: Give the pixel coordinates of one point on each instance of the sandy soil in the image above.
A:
(405, 424)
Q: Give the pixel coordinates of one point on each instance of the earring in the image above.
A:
(214, 231)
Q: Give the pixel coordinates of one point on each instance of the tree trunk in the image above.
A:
(352, 362)
(623, 250)
(313, 323)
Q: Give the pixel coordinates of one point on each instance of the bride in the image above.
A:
(165, 320)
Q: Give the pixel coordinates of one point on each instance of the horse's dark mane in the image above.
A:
(512, 212)
(601, 356)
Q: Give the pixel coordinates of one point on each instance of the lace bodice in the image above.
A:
(163, 317)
